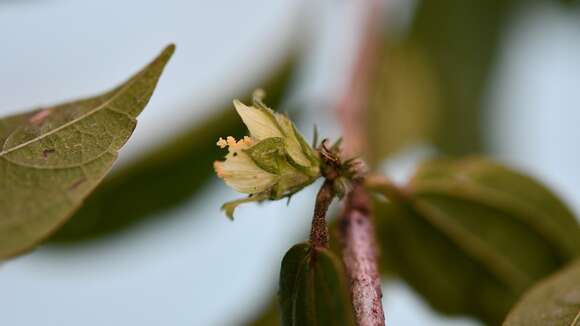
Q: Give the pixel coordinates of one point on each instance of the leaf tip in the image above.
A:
(169, 49)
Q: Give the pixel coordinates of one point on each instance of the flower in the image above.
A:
(273, 162)
(239, 171)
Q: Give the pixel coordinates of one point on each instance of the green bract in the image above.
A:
(272, 163)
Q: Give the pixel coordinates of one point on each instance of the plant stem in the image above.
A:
(360, 253)
(360, 258)
(319, 230)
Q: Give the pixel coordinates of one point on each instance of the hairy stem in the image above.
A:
(319, 230)
(360, 253)
(360, 258)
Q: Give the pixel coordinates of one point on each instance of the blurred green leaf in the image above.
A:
(459, 41)
(491, 184)
(472, 235)
(268, 316)
(166, 177)
(403, 102)
(554, 301)
(313, 288)
(53, 158)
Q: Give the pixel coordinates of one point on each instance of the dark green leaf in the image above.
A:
(555, 301)
(53, 158)
(167, 176)
(491, 184)
(472, 235)
(313, 289)
(459, 40)
(429, 85)
(268, 316)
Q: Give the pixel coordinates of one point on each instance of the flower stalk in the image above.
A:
(319, 229)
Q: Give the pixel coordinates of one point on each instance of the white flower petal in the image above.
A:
(242, 174)
(259, 123)
(292, 145)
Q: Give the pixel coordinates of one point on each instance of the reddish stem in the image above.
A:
(360, 254)
(319, 230)
(360, 258)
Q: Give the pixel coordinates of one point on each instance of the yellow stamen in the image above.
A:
(231, 141)
(222, 143)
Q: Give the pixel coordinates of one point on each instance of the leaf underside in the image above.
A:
(474, 227)
(52, 158)
(554, 301)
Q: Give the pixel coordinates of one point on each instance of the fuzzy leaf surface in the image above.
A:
(52, 159)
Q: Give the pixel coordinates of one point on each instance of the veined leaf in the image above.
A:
(471, 236)
(313, 289)
(554, 301)
(491, 184)
(53, 158)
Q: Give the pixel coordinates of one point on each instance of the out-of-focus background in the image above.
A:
(498, 77)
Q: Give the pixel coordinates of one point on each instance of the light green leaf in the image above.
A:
(555, 301)
(471, 235)
(53, 158)
(313, 289)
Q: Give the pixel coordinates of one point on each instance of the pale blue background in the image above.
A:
(197, 268)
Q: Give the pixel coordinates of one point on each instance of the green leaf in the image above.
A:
(555, 301)
(471, 236)
(481, 180)
(269, 315)
(404, 102)
(167, 176)
(52, 159)
(313, 289)
(460, 39)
